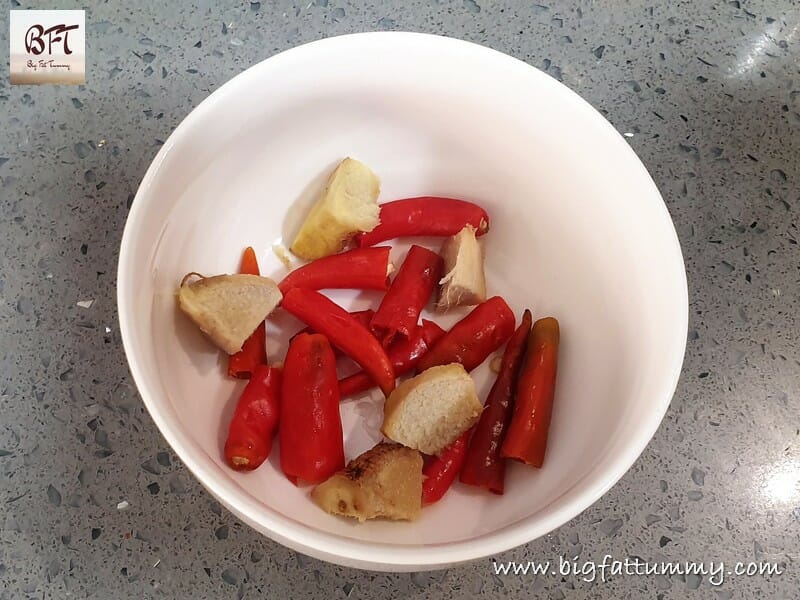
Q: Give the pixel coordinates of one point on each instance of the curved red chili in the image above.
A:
(426, 215)
(404, 355)
(441, 471)
(474, 337)
(431, 332)
(362, 316)
(312, 446)
(361, 269)
(484, 467)
(254, 420)
(526, 440)
(254, 349)
(411, 289)
(343, 331)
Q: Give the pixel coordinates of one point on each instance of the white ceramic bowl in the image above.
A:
(579, 231)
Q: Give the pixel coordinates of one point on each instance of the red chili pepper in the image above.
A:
(312, 446)
(344, 331)
(362, 316)
(255, 420)
(440, 473)
(360, 269)
(431, 332)
(474, 337)
(526, 440)
(412, 287)
(426, 215)
(404, 355)
(484, 467)
(253, 352)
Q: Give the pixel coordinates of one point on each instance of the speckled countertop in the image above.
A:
(709, 92)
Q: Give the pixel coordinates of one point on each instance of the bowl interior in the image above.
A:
(578, 231)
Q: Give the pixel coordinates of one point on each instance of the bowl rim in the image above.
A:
(360, 553)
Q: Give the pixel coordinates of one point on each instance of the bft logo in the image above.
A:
(48, 46)
(35, 38)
